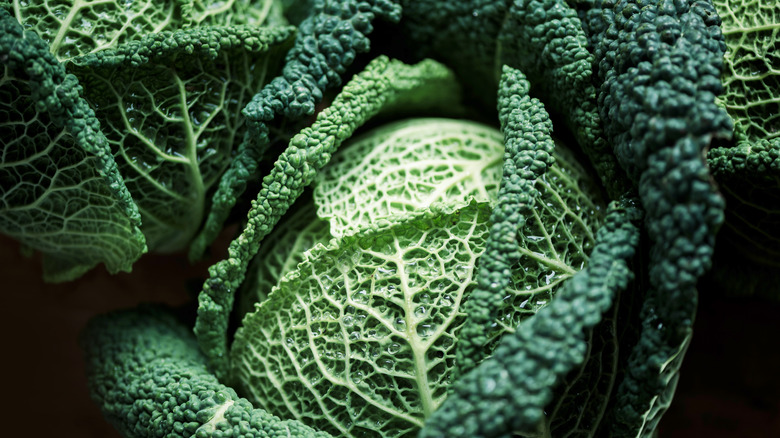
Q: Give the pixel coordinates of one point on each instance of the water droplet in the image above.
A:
(425, 330)
(360, 297)
(394, 348)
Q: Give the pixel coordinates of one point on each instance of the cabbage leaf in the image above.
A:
(60, 190)
(170, 104)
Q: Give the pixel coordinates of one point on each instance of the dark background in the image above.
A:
(730, 384)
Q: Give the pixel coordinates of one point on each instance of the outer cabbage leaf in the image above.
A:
(660, 65)
(150, 380)
(402, 168)
(60, 190)
(748, 173)
(170, 104)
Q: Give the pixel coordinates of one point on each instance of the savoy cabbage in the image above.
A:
(437, 276)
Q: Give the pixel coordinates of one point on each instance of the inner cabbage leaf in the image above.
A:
(405, 167)
(359, 337)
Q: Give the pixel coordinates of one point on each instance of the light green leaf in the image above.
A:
(78, 27)
(236, 12)
(751, 76)
(402, 168)
(359, 340)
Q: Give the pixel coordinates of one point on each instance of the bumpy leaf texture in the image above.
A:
(170, 104)
(80, 27)
(660, 66)
(61, 192)
(146, 372)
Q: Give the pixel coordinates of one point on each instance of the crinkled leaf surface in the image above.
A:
(77, 27)
(237, 12)
(53, 197)
(359, 340)
(404, 167)
(751, 76)
(748, 173)
(170, 105)
(60, 191)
